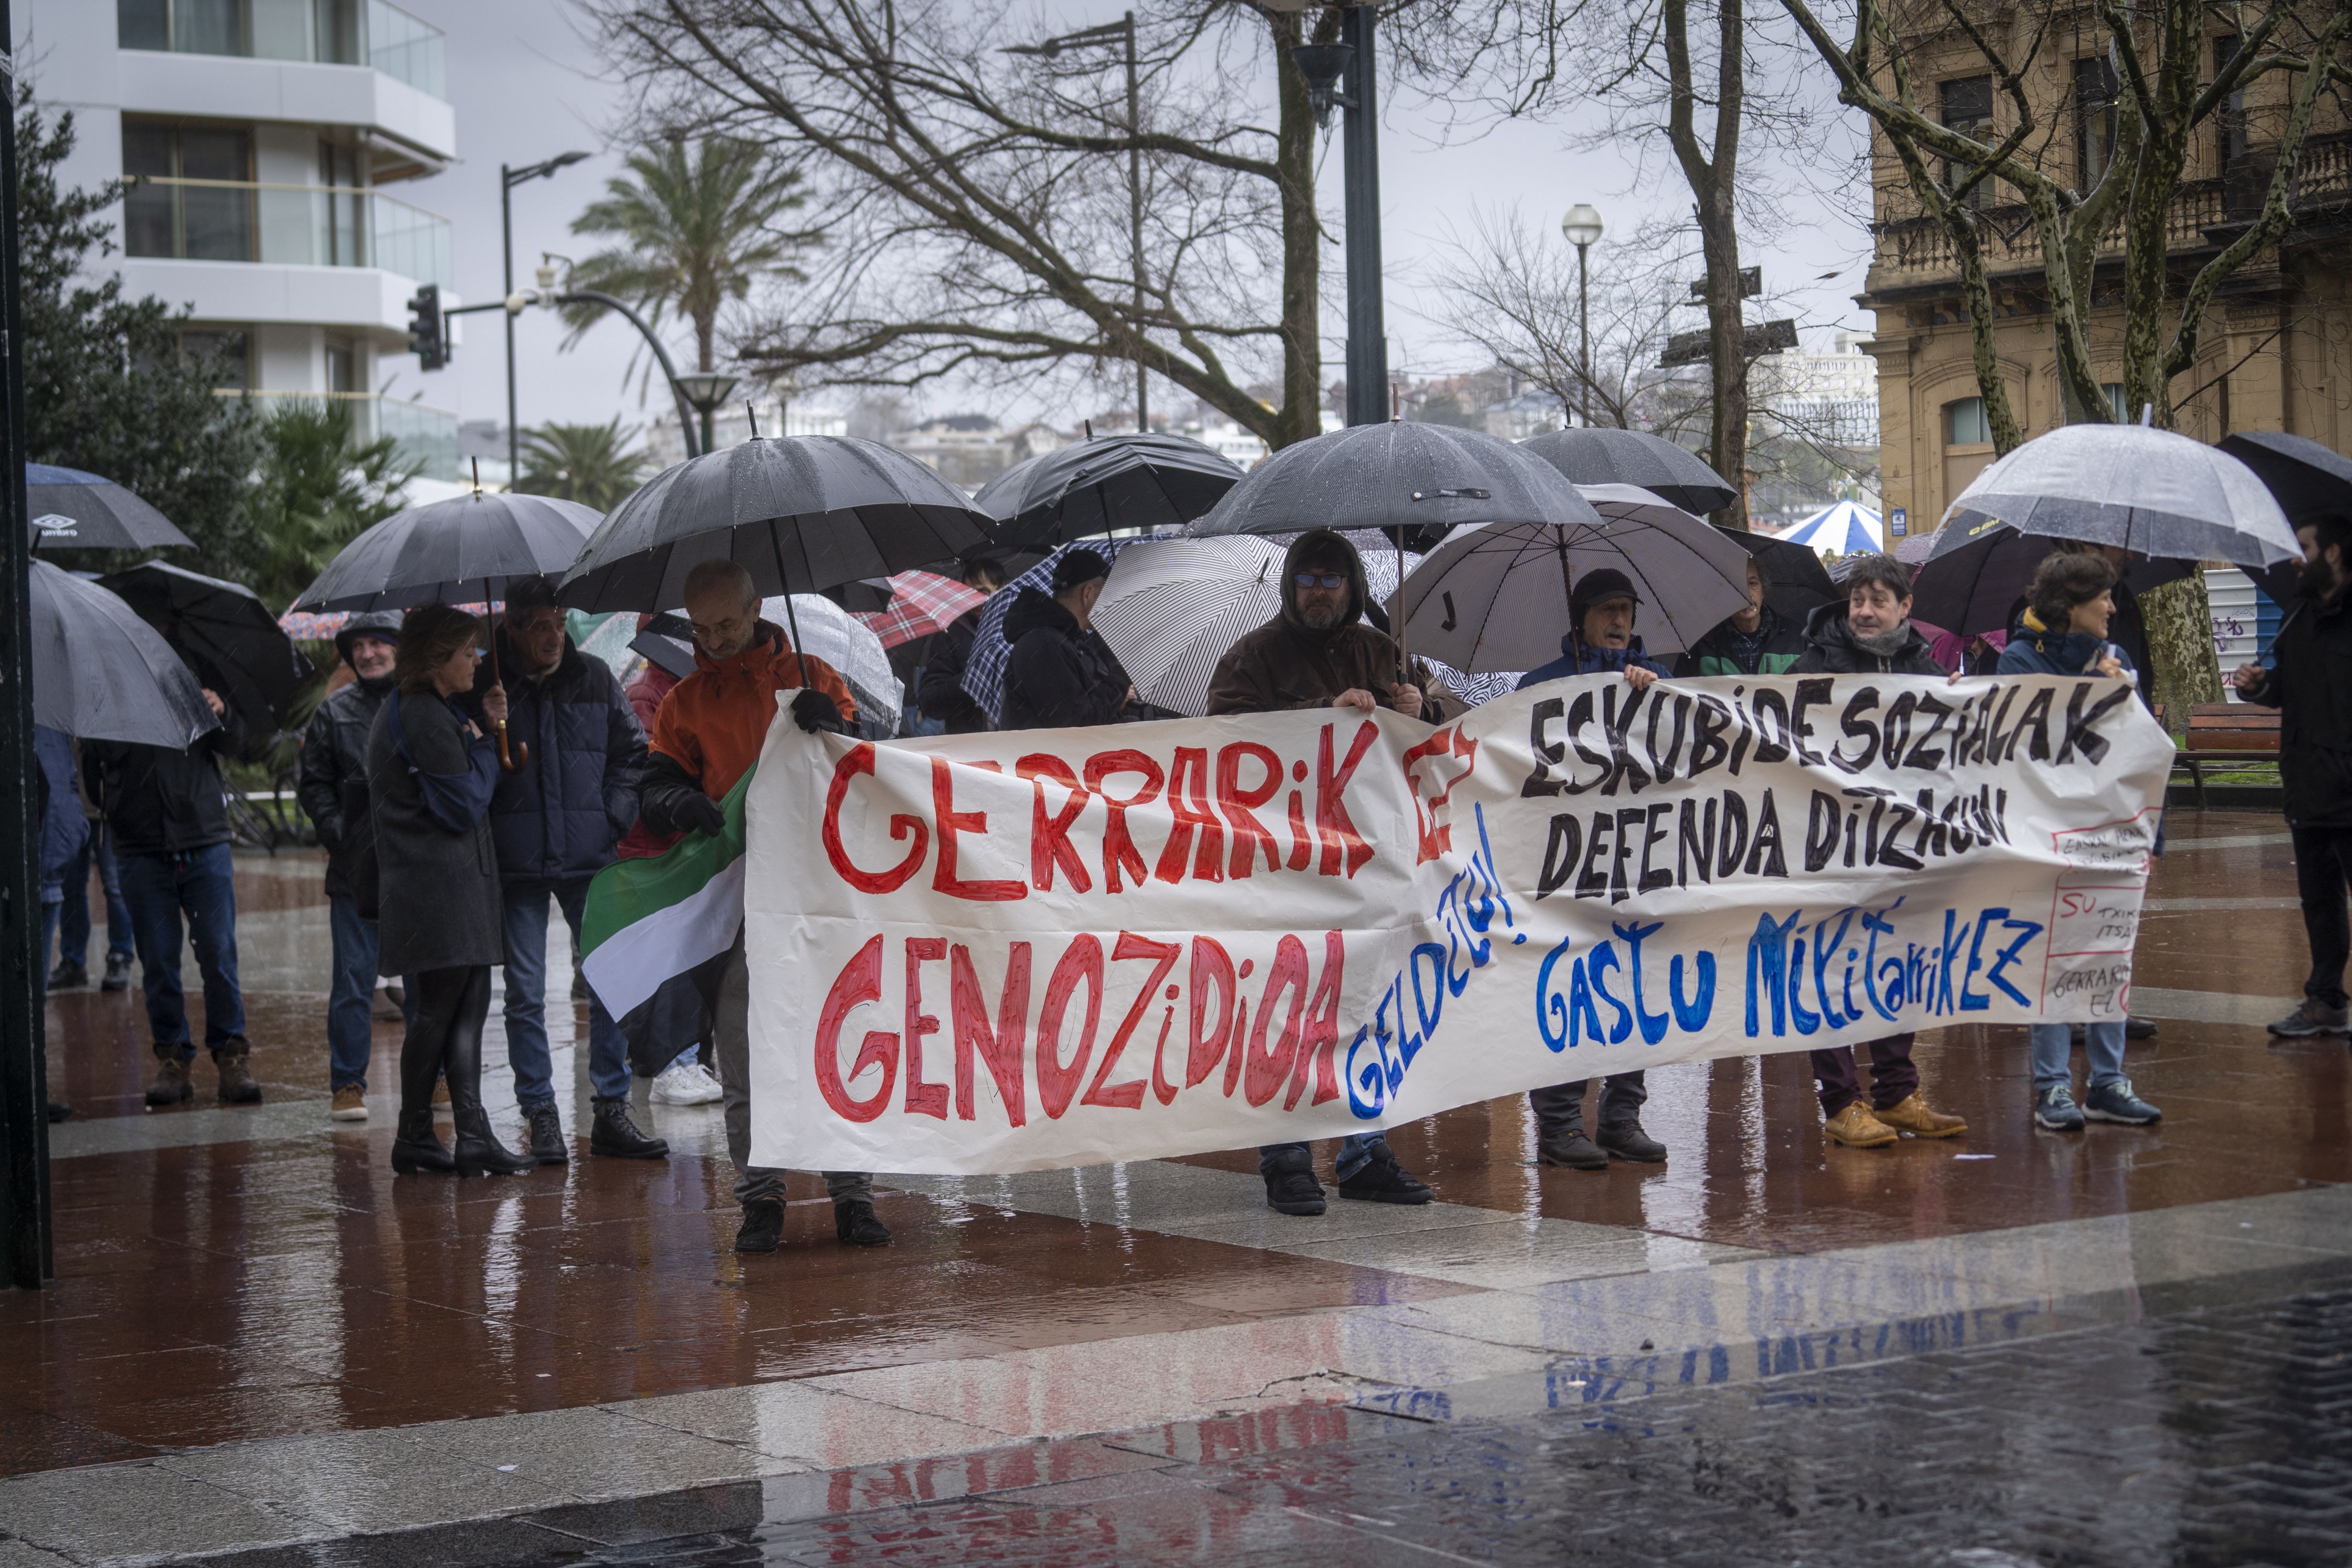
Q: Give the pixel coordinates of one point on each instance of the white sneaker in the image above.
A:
(685, 1083)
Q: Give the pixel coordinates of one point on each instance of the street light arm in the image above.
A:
(661, 355)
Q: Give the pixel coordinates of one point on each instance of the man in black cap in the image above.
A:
(1061, 674)
(1599, 641)
(332, 788)
(940, 693)
(1319, 652)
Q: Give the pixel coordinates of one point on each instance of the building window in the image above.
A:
(229, 349)
(2095, 120)
(342, 364)
(194, 197)
(1967, 108)
(2114, 392)
(1965, 424)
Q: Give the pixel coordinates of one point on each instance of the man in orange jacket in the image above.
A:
(706, 738)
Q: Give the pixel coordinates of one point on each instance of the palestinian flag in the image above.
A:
(647, 921)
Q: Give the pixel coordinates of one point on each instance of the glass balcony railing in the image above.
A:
(302, 226)
(330, 32)
(420, 433)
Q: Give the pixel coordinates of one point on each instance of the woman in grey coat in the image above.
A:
(438, 916)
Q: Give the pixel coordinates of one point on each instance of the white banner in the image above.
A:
(1034, 949)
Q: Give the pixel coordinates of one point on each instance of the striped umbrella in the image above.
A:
(921, 605)
(1838, 529)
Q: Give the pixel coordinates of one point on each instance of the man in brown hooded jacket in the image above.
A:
(1319, 652)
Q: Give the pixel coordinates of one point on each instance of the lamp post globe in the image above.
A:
(705, 390)
(1581, 225)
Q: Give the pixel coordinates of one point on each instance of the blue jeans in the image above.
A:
(1355, 1152)
(608, 1051)
(73, 924)
(351, 1003)
(158, 888)
(2052, 1069)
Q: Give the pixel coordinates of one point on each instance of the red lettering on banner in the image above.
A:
(1129, 1096)
(1164, 1089)
(1322, 1037)
(1049, 836)
(1082, 959)
(922, 1099)
(952, 822)
(1436, 837)
(1302, 848)
(1190, 811)
(860, 760)
(1119, 852)
(1267, 1068)
(1240, 805)
(1000, 1047)
(1212, 970)
(859, 982)
(1334, 828)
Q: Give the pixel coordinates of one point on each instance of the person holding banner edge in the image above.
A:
(1602, 609)
(1871, 632)
(1320, 653)
(707, 736)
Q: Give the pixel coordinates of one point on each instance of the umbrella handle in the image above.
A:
(512, 756)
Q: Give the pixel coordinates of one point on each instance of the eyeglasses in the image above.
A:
(1321, 579)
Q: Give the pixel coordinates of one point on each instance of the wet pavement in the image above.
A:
(260, 1340)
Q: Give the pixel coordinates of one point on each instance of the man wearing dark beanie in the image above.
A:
(1061, 675)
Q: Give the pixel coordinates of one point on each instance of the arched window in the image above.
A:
(1968, 443)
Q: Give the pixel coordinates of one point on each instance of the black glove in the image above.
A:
(698, 813)
(814, 710)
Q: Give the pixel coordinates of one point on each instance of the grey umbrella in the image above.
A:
(1590, 455)
(77, 510)
(101, 673)
(2151, 491)
(461, 551)
(1092, 487)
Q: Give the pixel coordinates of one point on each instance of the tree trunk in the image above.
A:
(2181, 645)
(1712, 172)
(1302, 350)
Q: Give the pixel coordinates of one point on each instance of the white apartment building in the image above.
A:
(266, 137)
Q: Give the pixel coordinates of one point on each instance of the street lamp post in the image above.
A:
(1582, 226)
(699, 393)
(507, 180)
(706, 389)
(1342, 74)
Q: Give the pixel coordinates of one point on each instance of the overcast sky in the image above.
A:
(526, 85)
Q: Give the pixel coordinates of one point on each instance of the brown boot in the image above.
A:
(1857, 1128)
(171, 1086)
(1918, 1118)
(237, 1084)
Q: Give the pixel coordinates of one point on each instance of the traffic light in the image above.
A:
(428, 333)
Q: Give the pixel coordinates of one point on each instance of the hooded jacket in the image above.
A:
(2310, 683)
(1829, 649)
(558, 818)
(1285, 664)
(713, 722)
(334, 760)
(1059, 676)
(1778, 644)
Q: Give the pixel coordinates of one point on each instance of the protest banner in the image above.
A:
(1027, 950)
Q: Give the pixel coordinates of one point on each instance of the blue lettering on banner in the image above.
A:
(1804, 975)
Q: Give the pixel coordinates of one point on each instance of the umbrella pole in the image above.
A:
(1404, 660)
(1566, 587)
(516, 757)
(793, 624)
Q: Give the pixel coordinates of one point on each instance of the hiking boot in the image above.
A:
(1290, 1184)
(2054, 1110)
(546, 1132)
(2116, 1103)
(2313, 1017)
(67, 976)
(855, 1225)
(350, 1104)
(232, 1057)
(1915, 1116)
(417, 1147)
(1626, 1141)
(118, 973)
(171, 1086)
(616, 1135)
(2139, 1029)
(1382, 1179)
(1570, 1148)
(1857, 1128)
(763, 1226)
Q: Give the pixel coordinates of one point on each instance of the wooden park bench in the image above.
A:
(2226, 737)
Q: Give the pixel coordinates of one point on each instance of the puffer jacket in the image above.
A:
(560, 817)
(1285, 664)
(1778, 644)
(1829, 649)
(334, 757)
(2310, 683)
(1059, 676)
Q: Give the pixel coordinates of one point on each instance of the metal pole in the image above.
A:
(661, 357)
(1135, 219)
(706, 436)
(1368, 370)
(25, 1251)
(506, 229)
(1583, 339)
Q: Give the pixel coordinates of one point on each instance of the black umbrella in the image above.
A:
(462, 550)
(1981, 567)
(2306, 478)
(77, 510)
(1092, 487)
(231, 634)
(1592, 456)
(1800, 583)
(101, 673)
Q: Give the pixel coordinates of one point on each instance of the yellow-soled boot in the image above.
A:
(1857, 1128)
(1920, 1120)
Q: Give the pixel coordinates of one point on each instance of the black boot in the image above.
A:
(478, 1152)
(614, 1134)
(1626, 1141)
(1290, 1184)
(171, 1086)
(67, 976)
(547, 1144)
(1559, 1128)
(417, 1147)
(763, 1226)
(233, 1060)
(1382, 1179)
(855, 1223)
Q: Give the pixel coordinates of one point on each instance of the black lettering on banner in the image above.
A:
(1774, 749)
(1561, 851)
(1654, 878)
(1592, 881)
(1697, 832)
(1580, 714)
(1764, 858)
(2037, 715)
(1618, 722)
(1733, 843)
(1709, 719)
(1856, 727)
(1937, 711)
(1630, 819)
(1812, 691)
(1894, 729)
(1541, 779)
(2079, 732)
(1822, 831)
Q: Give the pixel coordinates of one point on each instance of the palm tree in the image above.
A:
(317, 488)
(587, 463)
(695, 224)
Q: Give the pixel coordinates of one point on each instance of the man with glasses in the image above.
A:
(555, 822)
(1319, 652)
